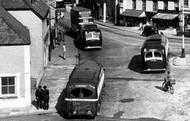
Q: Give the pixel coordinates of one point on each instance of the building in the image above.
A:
(162, 13)
(34, 15)
(15, 62)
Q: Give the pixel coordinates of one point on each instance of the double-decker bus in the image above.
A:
(80, 16)
(89, 37)
(84, 89)
(154, 53)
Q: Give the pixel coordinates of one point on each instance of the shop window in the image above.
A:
(8, 86)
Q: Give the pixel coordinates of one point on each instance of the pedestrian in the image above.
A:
(45, 98)
(39, 95)
(64, 50)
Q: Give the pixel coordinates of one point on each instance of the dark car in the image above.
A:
(149, 30)
(179, 32)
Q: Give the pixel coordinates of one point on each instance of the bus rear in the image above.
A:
(84, 89)
(81, 100)
(154, 60)
(154, 53)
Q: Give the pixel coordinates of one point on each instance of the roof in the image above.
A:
(17, 35)
(81, 9)
(155, 41)
(40, 8)
(165, 16)
(133, 13)
(86, 72)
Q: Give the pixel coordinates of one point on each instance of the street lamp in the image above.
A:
(183, 29)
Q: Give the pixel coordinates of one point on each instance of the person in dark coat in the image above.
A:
(39, 97)
(45, 98)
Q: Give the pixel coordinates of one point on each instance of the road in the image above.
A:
(129, 94)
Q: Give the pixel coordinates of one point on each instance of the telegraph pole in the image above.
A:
(116, 12)
(183, 28)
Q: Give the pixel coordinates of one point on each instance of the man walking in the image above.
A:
(45, 98)
(39, 95)
(64, 50)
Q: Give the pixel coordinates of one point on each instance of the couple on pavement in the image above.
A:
(42, 97)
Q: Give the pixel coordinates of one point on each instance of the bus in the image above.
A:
(89, 37)
(154, 53)
(80, 16)
(84, 90)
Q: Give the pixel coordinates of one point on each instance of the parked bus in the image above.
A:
(80, 16)
(89, 37)
(84, 89)
(154, 53)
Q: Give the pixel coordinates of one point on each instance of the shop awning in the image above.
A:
(133, 13)
(165, 16)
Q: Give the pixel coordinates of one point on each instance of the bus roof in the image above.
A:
(86, 72)
(80, 9)
(155, 41)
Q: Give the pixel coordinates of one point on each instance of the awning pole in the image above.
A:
(183, 25)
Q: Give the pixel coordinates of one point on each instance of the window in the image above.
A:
(186, 3)
(157, 54)
(134, 4)
(149, 55)
(81, 93)
(8, 86)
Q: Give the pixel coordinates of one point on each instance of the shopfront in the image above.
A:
(165, 20)
(132, 17)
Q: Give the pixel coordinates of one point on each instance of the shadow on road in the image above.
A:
(135, 64)
(160, 88)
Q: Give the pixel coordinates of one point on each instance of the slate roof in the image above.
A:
(12, 32)
(40, 8)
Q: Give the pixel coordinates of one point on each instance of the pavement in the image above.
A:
(58, 70)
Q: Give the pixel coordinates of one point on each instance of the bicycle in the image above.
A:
(167, 86)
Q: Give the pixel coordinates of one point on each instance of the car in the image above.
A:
(179, 31)
(149, 30)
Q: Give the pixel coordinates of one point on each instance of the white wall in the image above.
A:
(15, 61)
(34, 24)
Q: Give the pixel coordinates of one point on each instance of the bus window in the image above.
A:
(149, 55)
(81, 93)
(157, 54)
